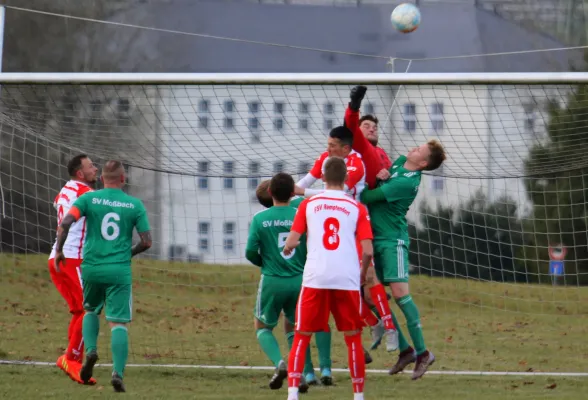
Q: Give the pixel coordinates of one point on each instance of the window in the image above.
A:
(203, 228)
(253, 174)
(229, 228)
(278, 124)
(255, 137)
(303, 168)
(410, 117)
(303, 108)
(437, 117)
(203, 122)
(278, 167)
(279, 107)
(368, 108)
(229, 108)
(228, 170)
(253, 124)
(203, 172)
(203, 244)
(203, 106)
(329, 109)
(303, 124)
(253, 107)
(438, 182)
(229, 244)
(529, 117)
(123, 106)
(328, 124)
(95, 108)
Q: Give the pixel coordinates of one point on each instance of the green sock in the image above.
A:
(90, 329)
(402, 342)
(269, 345)
(375, 311)
(413, 321)
(120, 348)
(290, 339)
(323, 344)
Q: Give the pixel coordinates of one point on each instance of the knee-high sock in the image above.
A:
(90, 330)
(323, 344)
(380, 300)
(269, 345)
(296, 359)
(413, 321)
(356, 362)
(119, 342)
(75, 347)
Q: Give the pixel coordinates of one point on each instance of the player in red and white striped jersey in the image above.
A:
(335, 225)
(68, 278)
(338, 145)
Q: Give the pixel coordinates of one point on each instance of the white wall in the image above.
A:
(185, 142)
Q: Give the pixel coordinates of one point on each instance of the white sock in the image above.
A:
(357, 396)
(293, 393)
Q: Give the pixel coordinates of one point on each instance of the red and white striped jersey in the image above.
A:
(355, 173)
(74, 244)
(334, 223)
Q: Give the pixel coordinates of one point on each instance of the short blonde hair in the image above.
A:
(437, 155)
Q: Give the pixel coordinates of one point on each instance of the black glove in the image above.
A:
(357, 94)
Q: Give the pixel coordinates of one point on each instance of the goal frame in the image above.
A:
(411, 78)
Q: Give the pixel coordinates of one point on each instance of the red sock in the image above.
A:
(75, 349)
(381, 302)
(356, 362)
(296, 359)
(367, 315)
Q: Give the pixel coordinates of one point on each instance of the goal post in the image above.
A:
(499, 238)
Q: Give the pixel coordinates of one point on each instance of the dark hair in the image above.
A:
(369, 117)
(342, 133)
(282, 187)
(75, 164)
(262, 193)
(335, 171)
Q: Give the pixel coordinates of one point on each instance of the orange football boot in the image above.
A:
(72, 369)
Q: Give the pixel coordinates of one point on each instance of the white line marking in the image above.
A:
(342, 370)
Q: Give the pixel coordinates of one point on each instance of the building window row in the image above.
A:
(204, 236)
(436, 114)
(279, 109)
(254, 173)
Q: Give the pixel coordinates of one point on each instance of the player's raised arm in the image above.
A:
(144, 230)
(253, 244)
(303, 185)
(297, 230)
(360, 142)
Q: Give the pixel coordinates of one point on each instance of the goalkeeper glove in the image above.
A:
(357, 94)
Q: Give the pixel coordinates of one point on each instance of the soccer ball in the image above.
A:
(406, 17)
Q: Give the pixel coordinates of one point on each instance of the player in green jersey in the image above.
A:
(281, 276)
(111, 216)
(388, 205)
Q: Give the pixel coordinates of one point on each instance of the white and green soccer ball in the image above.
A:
(406, 17)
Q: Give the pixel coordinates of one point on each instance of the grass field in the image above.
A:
(196, 314)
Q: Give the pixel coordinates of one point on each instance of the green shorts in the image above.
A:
(274, 295)
(391, 261)
(116, 299)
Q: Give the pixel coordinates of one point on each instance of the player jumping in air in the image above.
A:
(323, 339)
(388, 205)
(110, 217)
(334, 224)
(340, 143)
(68, 282)
(281, 275)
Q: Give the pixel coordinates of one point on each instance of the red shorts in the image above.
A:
(69, 283)
(315, 305)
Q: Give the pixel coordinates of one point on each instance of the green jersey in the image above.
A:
(296, 200)
(388, 218)
(111, 215)
(267, 237)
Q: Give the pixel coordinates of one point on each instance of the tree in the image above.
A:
(477, 240)
(41, 127)
(557, 184)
